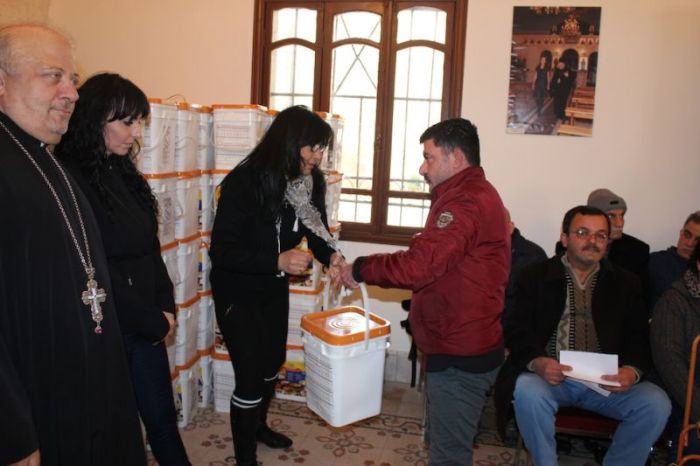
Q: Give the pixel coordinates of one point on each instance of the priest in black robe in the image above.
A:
(65, 392)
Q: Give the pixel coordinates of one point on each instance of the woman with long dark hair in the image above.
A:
(268, 203)
(99, 150)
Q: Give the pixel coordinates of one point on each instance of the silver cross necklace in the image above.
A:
(93, 295)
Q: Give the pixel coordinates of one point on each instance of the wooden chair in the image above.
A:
(687, 427)
(577, 422)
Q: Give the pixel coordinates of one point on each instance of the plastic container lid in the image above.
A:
(239, 107)
(201, 108)
(344, 325)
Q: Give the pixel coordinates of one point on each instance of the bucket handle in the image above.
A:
(365, 306)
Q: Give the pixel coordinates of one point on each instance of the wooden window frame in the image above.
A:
(377, 231)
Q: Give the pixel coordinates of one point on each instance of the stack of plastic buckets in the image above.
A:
(344, 351)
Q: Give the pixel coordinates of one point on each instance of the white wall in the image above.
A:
(17, 11)
(645, 143)
(201, 50)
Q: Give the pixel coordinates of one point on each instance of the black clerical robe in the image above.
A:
(63, 388)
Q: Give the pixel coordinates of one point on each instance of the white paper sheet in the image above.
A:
(588, 368)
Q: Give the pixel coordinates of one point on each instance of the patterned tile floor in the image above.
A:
(393, 438)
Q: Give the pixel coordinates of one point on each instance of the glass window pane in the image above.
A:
(291, 76)
(408, 212)
(289, 23)
(357, 25)
(421, 23)
(355, 208)
(417, 105)
(354, 77)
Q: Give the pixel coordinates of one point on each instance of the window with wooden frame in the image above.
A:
(390, 68)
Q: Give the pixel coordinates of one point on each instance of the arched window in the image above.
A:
(390, 69)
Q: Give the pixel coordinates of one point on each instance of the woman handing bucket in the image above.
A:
(268, 203)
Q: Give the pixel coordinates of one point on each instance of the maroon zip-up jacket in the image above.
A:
(457, 269)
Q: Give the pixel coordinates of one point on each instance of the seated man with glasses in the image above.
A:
(624, 250)
(580, 301)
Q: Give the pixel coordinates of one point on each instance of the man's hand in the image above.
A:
(32, 460)
(346, 277)
(626, 376)
(294, 261)
(550, 370)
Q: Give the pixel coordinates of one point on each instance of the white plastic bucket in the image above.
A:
(344, 361)
(224, 383)
(186, 332)
(238, 127)
(333, 188)
(186, 279)
(158, 152)
(205, 326)
(204, 265)
(169, 254)
(186, 139)
(204, 379)
(228, 159)
(187, 205)
(163, 187)
(185, 396)
(205, 202)
(302, 302)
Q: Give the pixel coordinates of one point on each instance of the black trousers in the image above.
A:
(255, 331)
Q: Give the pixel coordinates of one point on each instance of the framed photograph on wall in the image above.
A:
(553, 68)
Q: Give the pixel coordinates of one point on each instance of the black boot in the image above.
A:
(243, 425)
(264, 434)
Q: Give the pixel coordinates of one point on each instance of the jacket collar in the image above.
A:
(556, 271)
(465, 176)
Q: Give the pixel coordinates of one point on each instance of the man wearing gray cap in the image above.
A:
(624, 250)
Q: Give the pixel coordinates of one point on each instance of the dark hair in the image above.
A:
(276, 159)
(693, 260)
(104, 98)
(583, 210)
(694, 217)
(455, 133)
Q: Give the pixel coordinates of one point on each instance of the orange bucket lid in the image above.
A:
(239, 107)
(344, 325)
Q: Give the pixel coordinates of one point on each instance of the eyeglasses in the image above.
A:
(584, 234)
(318, 148)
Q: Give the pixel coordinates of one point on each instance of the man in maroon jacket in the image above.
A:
(457, 269)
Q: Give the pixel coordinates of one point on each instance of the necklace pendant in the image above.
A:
(92, 297)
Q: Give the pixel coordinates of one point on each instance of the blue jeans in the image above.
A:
(455, 400)
(150, 375)
(642, 410)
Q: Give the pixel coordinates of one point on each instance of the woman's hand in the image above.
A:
(171, 322)
(294, 261)
(334, 268)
